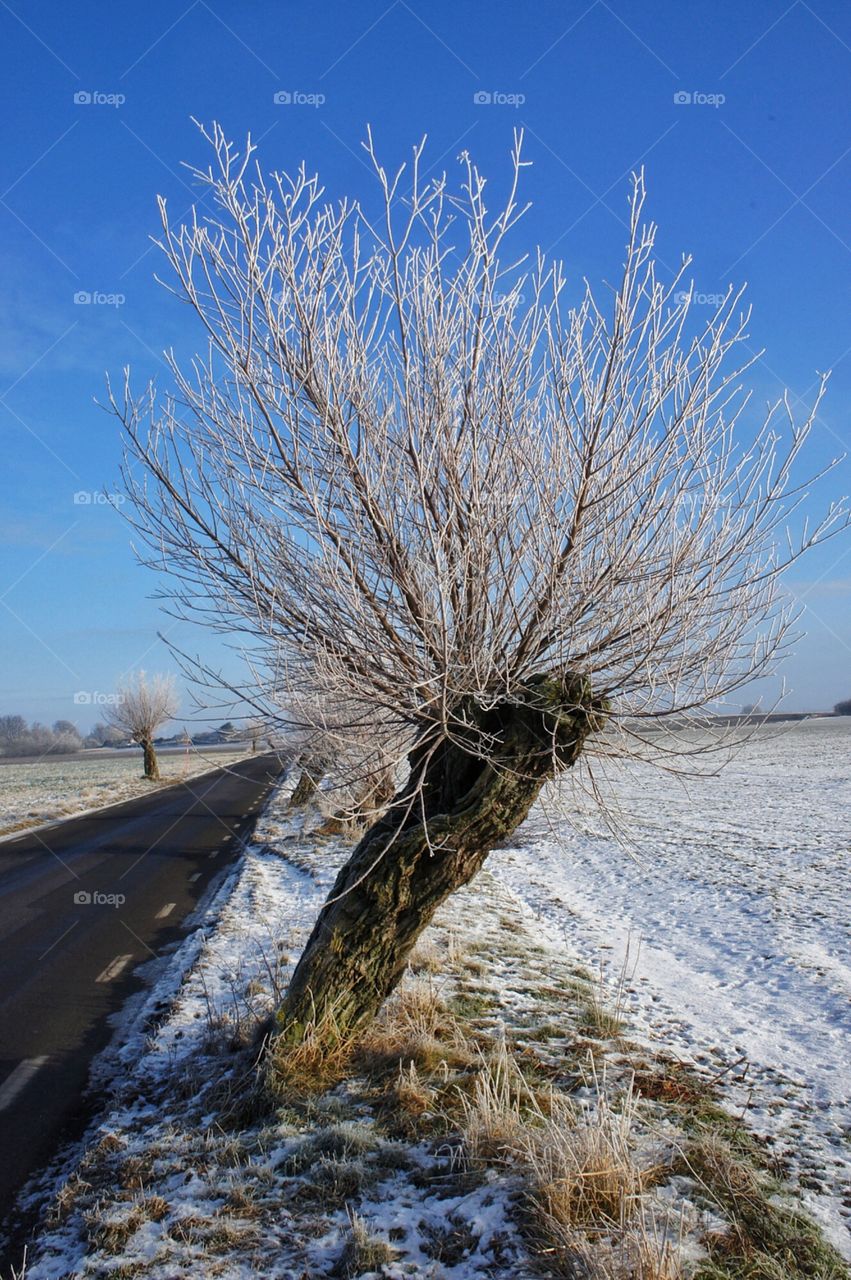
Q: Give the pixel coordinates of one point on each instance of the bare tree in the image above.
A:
(257, 731)
(104, 735)
(413, 475)
(141, 706)
(346, 755)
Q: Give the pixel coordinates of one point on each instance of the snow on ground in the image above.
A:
(51, 788)
(272, 1200)
(724, 941)
(731, 926)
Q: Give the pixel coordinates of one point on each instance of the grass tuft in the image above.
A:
(363, 1252)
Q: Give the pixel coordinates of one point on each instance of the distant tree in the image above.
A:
(106, 735)
(12, 730)
(843, 708)
(17, 738)
(66, 736)
(39, 739)
(141, 707)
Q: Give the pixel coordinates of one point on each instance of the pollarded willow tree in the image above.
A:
(420, 480)
(140, 707)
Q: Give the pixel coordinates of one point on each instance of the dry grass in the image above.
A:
(640, 1252)
(496, 1112)
(414, 1094)
(583, 1169)
(427, 957)
(318, 1060)
(587, 1207)
(363, 1252)
(415, 1027)
(110, 1232)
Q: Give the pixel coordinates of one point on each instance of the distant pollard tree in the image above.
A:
(140, 708)
(515, 530)
(843, 708)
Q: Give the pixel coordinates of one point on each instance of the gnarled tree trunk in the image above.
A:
(152, 767)
(311, 774)
(411, 860)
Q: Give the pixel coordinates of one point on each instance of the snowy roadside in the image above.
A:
(51, 790)
(394, 1171)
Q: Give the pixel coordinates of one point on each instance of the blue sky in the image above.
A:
(751, 176)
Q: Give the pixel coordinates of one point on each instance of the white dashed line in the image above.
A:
(214, 854)
(112, 970)
(197, 876)
(166, 910)
(19, 1079)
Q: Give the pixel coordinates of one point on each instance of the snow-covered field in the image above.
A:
(724, 939)
(731, 922)
(35, 792)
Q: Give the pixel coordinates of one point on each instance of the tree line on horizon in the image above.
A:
(20, 738)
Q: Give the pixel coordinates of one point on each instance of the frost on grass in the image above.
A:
(53, 788)
(727, 932)
(501, 1118)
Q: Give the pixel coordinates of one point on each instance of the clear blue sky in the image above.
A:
(756, 186)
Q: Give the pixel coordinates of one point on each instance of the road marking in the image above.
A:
(19, 1079)
(112, 970)
(214, 854)
(197, 876)
(166, 910)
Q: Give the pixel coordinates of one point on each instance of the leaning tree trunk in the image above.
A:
(308, 783)
(152, 767)
(414, 857)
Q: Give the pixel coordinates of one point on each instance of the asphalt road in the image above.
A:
(82, 904)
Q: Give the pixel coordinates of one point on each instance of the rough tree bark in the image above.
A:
(411, 860)
(308, 782)
(152, 767)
